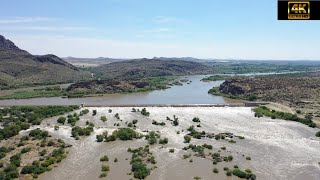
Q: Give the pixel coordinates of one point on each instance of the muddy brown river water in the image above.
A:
(195, 92)
(279, 149)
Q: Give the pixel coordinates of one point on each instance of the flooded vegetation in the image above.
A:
(223, 141)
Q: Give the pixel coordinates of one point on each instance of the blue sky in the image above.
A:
(234, 29)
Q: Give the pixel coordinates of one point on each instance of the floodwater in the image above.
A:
(195, 92)
(279, 149)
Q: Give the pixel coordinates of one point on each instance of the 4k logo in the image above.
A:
(298, 10)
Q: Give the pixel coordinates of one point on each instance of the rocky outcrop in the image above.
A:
(7, 44)
(107, 86)
(231, 87)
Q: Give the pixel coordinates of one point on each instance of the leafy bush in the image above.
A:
(25, 150)
(39, 134)
(215, 170)
(140, 170)
(196, 119)
(61, 120)
(145, 112)
(78, 131)
(125, 134)
(99, 137)
(104, 158)
(264, 111)
(103, 118)
(94, 112)
(187, 138)
(318, 134)
(163, 141)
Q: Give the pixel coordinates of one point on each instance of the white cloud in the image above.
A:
(16, 20)
(64, 46)
(47, 28)
(166, 19)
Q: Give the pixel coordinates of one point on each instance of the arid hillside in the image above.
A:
(140, 68)
(299, 90)
(18, 67)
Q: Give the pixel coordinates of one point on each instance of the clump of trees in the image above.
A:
(78, 131)
(15, 119)
(154, 122)
(125, 134)
(61, 120)
(194, 133)
(264, 111)
(38, 134)
(140, 157)
(122, 134)
(83, 112)
(242, 174)
(72, 119)
(145, 112)
(152, 137)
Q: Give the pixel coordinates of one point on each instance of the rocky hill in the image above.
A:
(140, 68)
(18, 67)
(300, 89)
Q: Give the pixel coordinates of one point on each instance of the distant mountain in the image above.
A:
(140, 68)
(80, 62)
(18, 67)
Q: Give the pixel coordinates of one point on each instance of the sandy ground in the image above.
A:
(279, 149)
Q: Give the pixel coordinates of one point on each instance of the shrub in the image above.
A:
(102, 175)
(187, 139)
(43, 152)
(125, 134)
(171, 150)
(175, 122)
(196, 119)
(215, 170)
(39, 134)
(100, 137)
(25, 150)
(103, 118)
(145, 112)
(115, 160)
(318, 134)
(252, 98)
(248, 171)
(248, 158)
(78, 131)
(105, 168)
(140, 170)
(237, 172)
(61, 120)
(163, 141)
(56, 127)
(134, 121)
(104, 158)
(16, 159)
(94, 112)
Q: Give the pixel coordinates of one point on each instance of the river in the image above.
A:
(195, 92)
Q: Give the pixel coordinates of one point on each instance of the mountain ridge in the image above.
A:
(19, 67)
